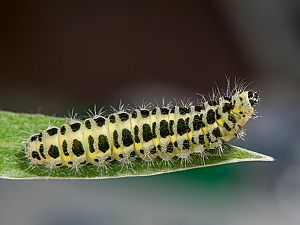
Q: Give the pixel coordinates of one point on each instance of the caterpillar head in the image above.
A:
(253, 98)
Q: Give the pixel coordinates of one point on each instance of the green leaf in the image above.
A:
(16, 128)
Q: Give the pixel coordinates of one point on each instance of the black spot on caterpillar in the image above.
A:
(145, 134)
(51, 131)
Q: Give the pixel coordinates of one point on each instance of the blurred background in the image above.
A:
(55, 56)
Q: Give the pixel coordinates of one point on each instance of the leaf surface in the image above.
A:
(15, 128)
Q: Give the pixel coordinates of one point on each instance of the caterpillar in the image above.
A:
(165, 132)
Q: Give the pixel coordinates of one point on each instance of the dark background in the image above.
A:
(55, 56)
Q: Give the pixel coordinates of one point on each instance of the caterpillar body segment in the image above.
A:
(162, 132)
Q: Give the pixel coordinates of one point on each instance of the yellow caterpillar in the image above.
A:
(164, 132)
